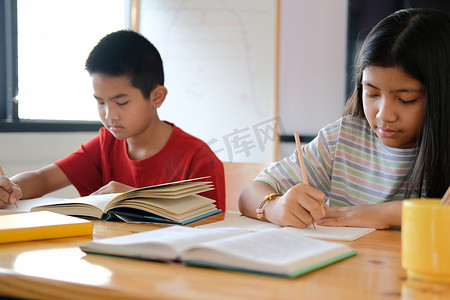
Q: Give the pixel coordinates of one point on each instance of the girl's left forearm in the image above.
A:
(393, 213)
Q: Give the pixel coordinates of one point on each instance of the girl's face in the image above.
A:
(394, 105)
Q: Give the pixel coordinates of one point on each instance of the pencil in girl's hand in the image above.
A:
(302, 162)
(446, 198)
(3, 173)
(300, 157)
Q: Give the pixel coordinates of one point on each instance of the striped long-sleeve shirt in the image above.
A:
(349, 164)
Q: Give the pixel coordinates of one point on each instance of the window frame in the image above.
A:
(8, 61)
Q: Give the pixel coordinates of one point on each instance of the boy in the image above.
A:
(134, 148)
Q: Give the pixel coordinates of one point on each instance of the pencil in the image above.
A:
(446, 198)
(300, 158)
(302, 162)
(3, 173)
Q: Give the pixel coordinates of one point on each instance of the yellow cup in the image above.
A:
(426, 239)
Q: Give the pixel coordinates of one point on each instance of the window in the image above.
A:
(54, 39)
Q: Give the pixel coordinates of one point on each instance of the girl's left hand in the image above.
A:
(379, 216)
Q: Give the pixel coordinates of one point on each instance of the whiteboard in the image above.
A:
(220, 62)
(312, 75)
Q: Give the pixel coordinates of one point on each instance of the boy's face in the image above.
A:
(394, 105)
(122, 108)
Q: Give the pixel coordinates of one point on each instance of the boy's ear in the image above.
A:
(158, 95)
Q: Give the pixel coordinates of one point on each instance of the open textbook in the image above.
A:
(174, 202)
(322, 232)
(278, 252)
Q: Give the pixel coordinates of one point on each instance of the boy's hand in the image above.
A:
(300, 206)
(10, 192)
(379, 216)
(113, 187)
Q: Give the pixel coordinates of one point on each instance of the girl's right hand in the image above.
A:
(10, 192)
(301, 206)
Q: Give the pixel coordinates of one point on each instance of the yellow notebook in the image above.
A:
(41, 225)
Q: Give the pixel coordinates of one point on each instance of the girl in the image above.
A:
(392, 142)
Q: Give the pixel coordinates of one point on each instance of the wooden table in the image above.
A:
(57, 269)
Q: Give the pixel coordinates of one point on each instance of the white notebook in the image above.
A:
(322, 232)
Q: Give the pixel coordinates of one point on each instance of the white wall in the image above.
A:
(29, 151)
(220, 63)
(313, 39)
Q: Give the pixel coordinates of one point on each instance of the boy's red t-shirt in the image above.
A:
(104, 158)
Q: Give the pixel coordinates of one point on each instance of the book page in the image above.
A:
(323, 232)
(167, 192)
(99, 201)
(241, 222)
(171, 207)
(165, 243)
(62, 205)
(182, 187)
(270, 250)
(332, 233)
(92, 206)
(27, 205)
(175, 187)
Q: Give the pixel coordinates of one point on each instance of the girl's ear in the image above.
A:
(158, 95)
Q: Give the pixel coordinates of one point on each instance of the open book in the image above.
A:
(321, 232)
(174, 202)
(278, 252)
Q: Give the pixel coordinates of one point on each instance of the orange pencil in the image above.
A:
(302, 162)
(3, 173)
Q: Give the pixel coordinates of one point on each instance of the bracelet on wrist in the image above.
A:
(260, 210)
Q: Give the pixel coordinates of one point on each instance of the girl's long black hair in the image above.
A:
(416, 40)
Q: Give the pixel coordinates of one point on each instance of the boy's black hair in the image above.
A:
(417, 41)
(127, 53)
